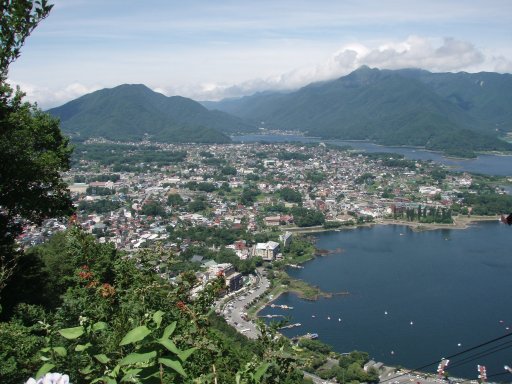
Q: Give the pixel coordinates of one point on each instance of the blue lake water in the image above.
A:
(455, 286)
(485, 164)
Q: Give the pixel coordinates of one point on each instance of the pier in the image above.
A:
(291, 326)
(284, 306)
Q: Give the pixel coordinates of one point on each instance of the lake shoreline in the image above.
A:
(475, 252)
(459, 222)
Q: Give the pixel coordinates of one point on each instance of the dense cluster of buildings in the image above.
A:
(340, 184)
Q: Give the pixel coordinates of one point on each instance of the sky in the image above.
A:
(214, 49)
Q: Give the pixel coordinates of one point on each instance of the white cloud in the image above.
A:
(449, 55)
(502, 64)
(414, 52)
(436, 55)
(47, 98)
(163, 91)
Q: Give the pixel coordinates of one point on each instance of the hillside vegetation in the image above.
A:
(454, 113)
(135, 112)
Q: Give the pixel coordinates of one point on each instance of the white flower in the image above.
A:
(50, 378)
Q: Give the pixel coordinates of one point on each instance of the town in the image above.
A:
(236, 215)
(245, 199)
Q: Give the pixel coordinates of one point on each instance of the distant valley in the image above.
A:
(455, 113)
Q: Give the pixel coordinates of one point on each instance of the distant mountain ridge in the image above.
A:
(133, 112)
(457, 113)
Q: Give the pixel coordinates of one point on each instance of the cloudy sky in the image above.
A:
(211, 49)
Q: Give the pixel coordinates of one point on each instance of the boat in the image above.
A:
(311, 336)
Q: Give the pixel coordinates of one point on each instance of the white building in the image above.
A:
(267, 251)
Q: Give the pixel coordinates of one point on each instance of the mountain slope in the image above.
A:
(486, 96)
(132, 112)
(404, 107)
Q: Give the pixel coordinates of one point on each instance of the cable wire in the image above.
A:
(487, 352)
(488, 376)
(450, 357)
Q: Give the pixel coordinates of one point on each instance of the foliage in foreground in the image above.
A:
(110, 318)
(33, 150)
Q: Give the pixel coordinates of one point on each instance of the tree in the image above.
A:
(153, 208)
(291, 195)
(249, 195)
(175, 200)
(197, 205)
(19, 18)
(33, 152)
(304, 217)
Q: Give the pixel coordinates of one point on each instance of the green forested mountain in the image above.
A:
(486, 96)
(455, 113)
(129, 112)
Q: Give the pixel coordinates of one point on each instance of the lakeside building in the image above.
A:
(267, 251)
(286, 239)
(234, 279)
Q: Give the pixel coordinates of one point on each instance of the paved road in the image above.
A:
(233, 308)
(400, 377)
(317, 380)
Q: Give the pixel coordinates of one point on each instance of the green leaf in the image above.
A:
(82, 347)
(133, 358)
(44, 370)
(174, 364)
(86, 370)
(261, 371)
(169, 345)
(136, 334)
(72, 333)
(61, 351)
(103, 359)
(104, 380)
(99, 326)
(157, 318)
(130, 375)
(168, 331)
(115, 371)
(186, 354)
